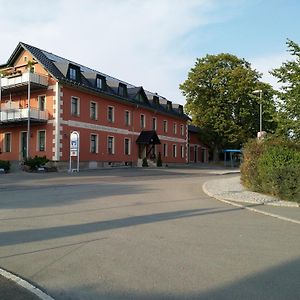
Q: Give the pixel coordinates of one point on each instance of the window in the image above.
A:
(72, 73)
(75, 106)
(174, 151)
(182, 151)
(42, 102)
(25, 58)
(7, 142)
(127, 146)
(165, 126)
(153, 123)
(41, 140)
(182, 130)
(93, 110)
(175, 128)
(111, 145)
(99, 83)
(142, 121)
(127, 117)
(110, 114)
(122, 91)
(94, 143)
(165, 150)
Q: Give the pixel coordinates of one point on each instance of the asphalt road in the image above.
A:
(142, 234)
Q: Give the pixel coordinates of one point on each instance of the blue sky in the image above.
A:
(153, 43)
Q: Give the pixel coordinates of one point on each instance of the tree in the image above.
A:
(219, 98)
(289, 95)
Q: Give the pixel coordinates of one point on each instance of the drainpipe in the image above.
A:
(28, 121)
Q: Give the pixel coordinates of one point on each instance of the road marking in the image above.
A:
(26, 285)
(246, 207)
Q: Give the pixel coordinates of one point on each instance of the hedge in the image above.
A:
(272, 166)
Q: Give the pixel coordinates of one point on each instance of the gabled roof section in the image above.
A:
(59, 68)
(138, 94)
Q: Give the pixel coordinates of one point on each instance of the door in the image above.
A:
(23, 145)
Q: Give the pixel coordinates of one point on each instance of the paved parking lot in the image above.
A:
(142, 234)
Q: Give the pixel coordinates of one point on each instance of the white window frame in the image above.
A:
(72, 73)
(182, 151)
(165, 150)
(4, 142)
(96, 110)
(165, 126)
(38, 145)
(142, 124)
(129, 118)
(182, 130)
(113, 144)
(96, 141)
(154, 122)
(129, 146)
(99, 80)
(175, 128)
(78, 106)
(39, 102)
(174, 153)
(113, 114)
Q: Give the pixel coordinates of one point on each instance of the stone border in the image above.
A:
(220, 198)
(24, 284)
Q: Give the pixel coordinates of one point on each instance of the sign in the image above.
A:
(74, 143)
(74, 150)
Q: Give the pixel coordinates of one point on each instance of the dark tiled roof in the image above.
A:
(148, 137)
(58, 68)
(193, 129)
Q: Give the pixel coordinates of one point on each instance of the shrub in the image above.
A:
(36, 162)
(5, 164)
(145, 162)
(272, 166)
(159, 161)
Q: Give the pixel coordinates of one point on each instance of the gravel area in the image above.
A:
(232, 190)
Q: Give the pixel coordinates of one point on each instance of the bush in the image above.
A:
(5, 164)
(145, 162)
(35, 162)
(272, 166)
(159, 161)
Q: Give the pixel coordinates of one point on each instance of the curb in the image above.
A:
(26, 285)
(246, 207)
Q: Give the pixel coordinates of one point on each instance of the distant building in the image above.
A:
(197, 151)
(118, 123)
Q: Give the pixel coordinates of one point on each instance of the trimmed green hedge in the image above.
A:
(5, 164)
(36, 162)
(272, 166)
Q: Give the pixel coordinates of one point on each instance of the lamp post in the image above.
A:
(260, 108)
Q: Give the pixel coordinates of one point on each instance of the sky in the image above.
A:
(153, 43)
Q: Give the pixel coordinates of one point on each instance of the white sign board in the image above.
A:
(74, 150)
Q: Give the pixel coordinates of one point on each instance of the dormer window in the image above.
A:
(169, 105)
(100, 82)
(156, 100)
(72, 73)
(122, 91)
(180, 109)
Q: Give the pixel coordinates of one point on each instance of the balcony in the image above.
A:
(20, 116)
(20, 81)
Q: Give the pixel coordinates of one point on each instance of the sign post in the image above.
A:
(74, 150)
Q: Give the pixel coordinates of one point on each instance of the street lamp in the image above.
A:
(260, 108)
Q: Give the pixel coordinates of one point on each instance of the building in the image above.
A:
(45, 97)
(198, 152)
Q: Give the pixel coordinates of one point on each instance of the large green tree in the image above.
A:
(289, 95)
(220, 100)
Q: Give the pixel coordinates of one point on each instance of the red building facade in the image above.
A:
(45, 97)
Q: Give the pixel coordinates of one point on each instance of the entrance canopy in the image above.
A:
(148, 138)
